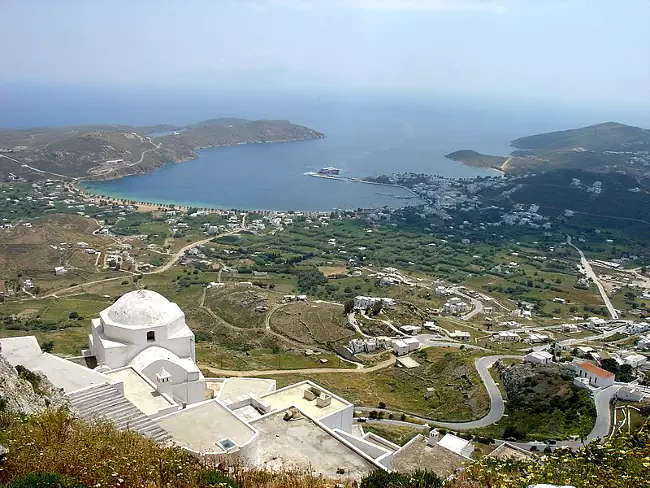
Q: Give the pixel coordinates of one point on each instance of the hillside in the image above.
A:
(476, 159)
(103, 152)
(609, 147)
(610, 136)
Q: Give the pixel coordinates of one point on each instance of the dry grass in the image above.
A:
(98, 455)
(312, 324)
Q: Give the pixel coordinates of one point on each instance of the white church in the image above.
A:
(146, 331)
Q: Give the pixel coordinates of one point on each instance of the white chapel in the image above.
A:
(144, 330)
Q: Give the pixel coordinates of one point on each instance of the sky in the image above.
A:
(565, 50)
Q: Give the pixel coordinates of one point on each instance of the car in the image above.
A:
(361, 419)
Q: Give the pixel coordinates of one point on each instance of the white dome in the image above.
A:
(143, 307)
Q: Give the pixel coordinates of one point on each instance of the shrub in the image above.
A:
(417, 479)
(219, 478)
(44, 480)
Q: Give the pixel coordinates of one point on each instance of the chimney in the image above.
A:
(164, 382)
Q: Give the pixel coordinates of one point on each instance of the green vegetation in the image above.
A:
(417, 479)
(477, 160)
(45, 480)
(542, 405)
(610, 136)
(458, 394)
(620, 462)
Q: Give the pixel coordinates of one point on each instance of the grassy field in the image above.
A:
(241, 305)
(459, 392)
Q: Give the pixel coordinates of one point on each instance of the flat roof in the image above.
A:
(417, 454)
(139, 391)
(199, 427)
(234, 387)
(62, 373)
(293, 396)
(304, 445)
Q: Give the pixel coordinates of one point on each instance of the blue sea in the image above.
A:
(367, 134)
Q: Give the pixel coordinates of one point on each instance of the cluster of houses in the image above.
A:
(365, 303)
(400, 347)
(455, 306)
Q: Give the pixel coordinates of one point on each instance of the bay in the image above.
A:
(368, 134)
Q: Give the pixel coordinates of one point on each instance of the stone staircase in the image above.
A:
(106, 402)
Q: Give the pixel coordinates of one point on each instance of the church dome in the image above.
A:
(143, 307)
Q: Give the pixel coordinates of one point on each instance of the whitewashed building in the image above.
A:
(144, 330)
(538, 357)
(597, 377)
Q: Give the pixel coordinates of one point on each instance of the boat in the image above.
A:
(330, 171)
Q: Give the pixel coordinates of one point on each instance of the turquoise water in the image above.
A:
(366, 135)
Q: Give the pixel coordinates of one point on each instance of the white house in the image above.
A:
(506, 336)
(412, 343)
(630, 394)
(60, 270)
(596, 376)
(455, 305)
(411, 329)
(644, 342)
(364, 303)
(400, 348)
(451, 442)
(460, 335)
(538, 357)
(635, 360)
(570, 328)
(144, 330)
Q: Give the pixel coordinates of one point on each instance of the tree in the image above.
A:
(376, 307)
(348, 306)
(625, 373)
(47, 346)
(610, 365)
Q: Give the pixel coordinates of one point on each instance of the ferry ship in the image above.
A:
(329, 171)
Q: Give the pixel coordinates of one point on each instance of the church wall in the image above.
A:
(340, 420)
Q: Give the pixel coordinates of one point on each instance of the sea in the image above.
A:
(368, 134)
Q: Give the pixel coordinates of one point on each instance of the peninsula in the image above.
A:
(607, 147)
(94, 152)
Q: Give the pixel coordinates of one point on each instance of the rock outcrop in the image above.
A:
(27, 392)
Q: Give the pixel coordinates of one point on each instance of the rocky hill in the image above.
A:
(25, 392)
(106, 152)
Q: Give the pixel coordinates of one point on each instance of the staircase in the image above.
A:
(106, 402)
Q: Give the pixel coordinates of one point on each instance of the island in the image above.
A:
(95, 152)
(607, 147)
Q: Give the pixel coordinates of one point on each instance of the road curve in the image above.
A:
(602, 400)
(497, 405)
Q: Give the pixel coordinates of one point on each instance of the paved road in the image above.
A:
(603, 416)
(478, 305)
(497, 405)
(352, 320)
(590, 274)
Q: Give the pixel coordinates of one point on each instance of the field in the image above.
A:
(313, 324)
(459, 393)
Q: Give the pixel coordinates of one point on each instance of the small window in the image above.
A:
(151, 336)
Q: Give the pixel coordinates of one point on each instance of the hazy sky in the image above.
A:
(579, 50)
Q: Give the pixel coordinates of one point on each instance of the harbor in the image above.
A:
(331, 173)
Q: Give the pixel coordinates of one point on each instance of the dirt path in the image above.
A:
(225, 372)
(36, 169)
